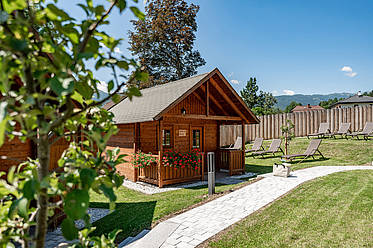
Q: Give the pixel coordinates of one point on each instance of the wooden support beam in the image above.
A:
(213, 99)
(136, 147)
(207, 99)
(204, 117)
(199, 97)
(243, 147)
(217, 158)
(222, 93)
(160, 154)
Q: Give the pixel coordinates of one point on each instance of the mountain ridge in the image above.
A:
(313, 99)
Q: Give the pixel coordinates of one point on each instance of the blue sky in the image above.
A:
(289, 46)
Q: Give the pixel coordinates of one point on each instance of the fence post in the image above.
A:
(356, 116)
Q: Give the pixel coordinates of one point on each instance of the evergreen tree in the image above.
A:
(261, 103)
(163, 41)
(249, 94)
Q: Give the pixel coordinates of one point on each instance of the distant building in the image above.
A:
(307, 107)
(354, 101)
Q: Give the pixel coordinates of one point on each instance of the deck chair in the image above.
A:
(366, 132)
(236, 146)
(312, 148)
(273, 148)
(323, 130)
(257, 145)
(344, 130)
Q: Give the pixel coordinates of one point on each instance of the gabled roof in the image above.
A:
(159, 99)
(356, 99)
(306, 108)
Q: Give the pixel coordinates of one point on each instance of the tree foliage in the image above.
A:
(288, 133)
(250, 93)
(291, 106)
(260, 102)
(47, 95)
(163, 41)
(329, 103)
(368, 93)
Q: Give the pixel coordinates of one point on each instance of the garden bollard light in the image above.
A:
(211, 172)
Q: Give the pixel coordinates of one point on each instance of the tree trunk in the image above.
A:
(43, 170)
(286, 145)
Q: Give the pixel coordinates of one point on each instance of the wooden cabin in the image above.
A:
(180, 116)
(13, 152)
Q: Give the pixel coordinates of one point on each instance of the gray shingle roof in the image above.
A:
(357, 99)
(153, 101)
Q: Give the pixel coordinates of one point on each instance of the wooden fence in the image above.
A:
(306, 122)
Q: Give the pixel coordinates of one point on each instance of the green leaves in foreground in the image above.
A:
(69, 229)
(49, 97)
(76, 203)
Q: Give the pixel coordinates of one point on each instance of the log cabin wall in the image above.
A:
(55, 153)
(125, 137)
(125, 140)
(193, 104)
(15, 151)
(148, 137)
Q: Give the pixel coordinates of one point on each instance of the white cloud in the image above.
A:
(102, 86)
(275, 92)
(234, 81)
(348, 71)
(288, 92)
(351, 74)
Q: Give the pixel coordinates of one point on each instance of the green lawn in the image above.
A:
(332, 211)
(136, 211)
(336, 152)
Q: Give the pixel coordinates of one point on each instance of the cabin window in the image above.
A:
(166, 137)
(196, 139)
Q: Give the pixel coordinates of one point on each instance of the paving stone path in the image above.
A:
(191, 228)
(55, 238)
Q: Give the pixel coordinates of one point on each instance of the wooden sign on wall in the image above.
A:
(182, 132)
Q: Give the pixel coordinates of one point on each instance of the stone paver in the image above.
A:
(203, 222)
(150, 189)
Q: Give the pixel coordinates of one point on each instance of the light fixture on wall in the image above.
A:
(183, 111)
